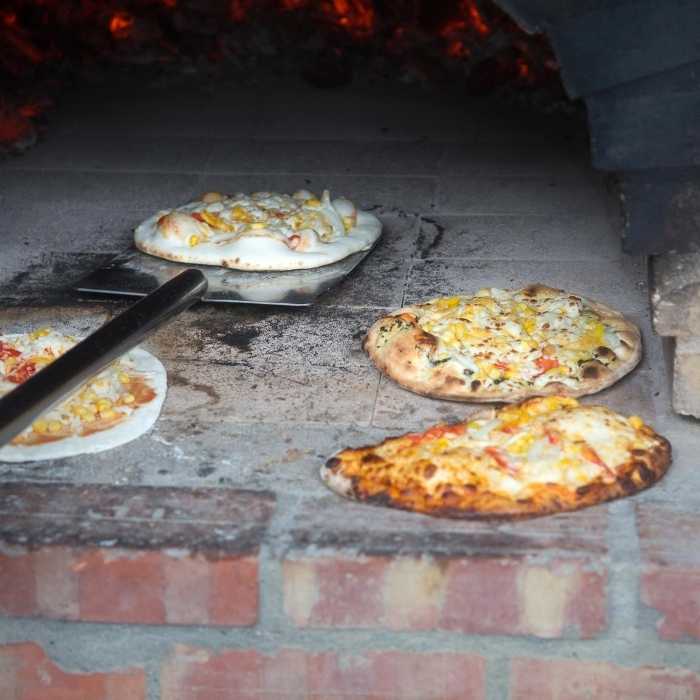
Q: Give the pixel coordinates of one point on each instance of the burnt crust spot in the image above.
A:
(590, 372)
(333, 463)
(372, 458)
(429, 471)
(475, 385)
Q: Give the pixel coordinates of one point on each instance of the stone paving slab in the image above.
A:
(520, 195)
(520, 237)
(620, 283)
(130, 153)
(522, 158)
(202, 392)
(69, 191)
(260, 337)
(333, 157)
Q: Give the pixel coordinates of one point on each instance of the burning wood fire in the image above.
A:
(464, 42)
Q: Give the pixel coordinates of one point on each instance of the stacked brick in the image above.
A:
(546, 609)
(675, 303)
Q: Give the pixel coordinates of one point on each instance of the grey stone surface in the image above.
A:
(686, 376)
(260, 397)
(621, 283)
(675, 294)
(521, 195)
(517, 237)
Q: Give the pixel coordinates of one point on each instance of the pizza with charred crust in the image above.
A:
(544, 455)
(505, 345)
(112, 408)
(260, 231)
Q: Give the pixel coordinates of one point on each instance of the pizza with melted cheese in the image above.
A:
(544, 455)
(114, 407)
(260, 231)
(501, 345)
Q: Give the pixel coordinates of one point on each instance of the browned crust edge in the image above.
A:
(642, 471)
(400, 360)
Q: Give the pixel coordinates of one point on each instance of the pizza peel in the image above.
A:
(135, 274)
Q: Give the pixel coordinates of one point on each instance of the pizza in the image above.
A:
(541, 456)
(112, 408)
(505, 345)
(260, 231)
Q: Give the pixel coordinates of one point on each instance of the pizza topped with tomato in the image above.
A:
(544, 455)
(113, 407)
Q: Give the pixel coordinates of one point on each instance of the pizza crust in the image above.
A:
(405, 356)
(139, 422)
(361, 474)
(261, 252)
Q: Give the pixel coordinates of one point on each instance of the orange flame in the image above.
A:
(121, 24)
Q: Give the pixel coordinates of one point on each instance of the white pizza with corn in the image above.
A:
(112, 408)
(505, 345)
(544, 455)
(260, 231)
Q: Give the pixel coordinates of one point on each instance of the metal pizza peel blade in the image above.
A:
(137, 274)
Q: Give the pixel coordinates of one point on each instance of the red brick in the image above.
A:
(675, 595)
(398, 675)
(17, 589)
(574, 680)
(121, 586)
(474, 595)
(186, 590)
(57, 592)
(670, 575)
(233, 591)
(199, 674)
(27, 674)
(483, 596)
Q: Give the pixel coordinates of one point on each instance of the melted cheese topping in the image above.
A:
(101, 403)
(552, 440)
(263, 230)
(518, 339)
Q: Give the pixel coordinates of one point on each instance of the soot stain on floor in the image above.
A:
(240, 340)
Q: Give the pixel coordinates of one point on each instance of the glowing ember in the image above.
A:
(292, 4)
(170, 3)
(524, 71)
(8, 18)
(238, 10)
(477, 20)
(30, 110)
(13, 128)
(120, 24)
(357, 16)
(457, 49)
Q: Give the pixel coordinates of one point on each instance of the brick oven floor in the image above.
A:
(471, 194)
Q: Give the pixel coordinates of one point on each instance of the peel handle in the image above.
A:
(116, 337)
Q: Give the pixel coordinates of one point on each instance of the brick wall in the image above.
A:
(192, 598)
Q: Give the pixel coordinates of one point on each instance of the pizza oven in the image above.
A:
(499, 144)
